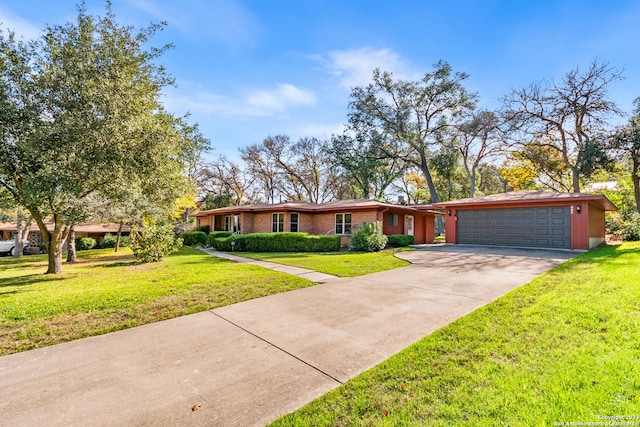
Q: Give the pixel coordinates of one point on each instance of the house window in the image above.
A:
(392, 219)
(343, 223)
(232, 223)
(295, 218)
(277, 222)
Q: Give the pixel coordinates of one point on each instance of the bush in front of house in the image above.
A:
(204, 228)
(276, 242)
(194, 238)
(400, 240)
(153, 242)
(631, 229)
(218, 234)
(109, 241)
(85, 243)
(368, 237)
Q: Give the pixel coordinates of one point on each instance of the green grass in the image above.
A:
(342, 264)
(105, 292)
(564, 348)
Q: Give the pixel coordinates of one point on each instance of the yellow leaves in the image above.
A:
(188, 201)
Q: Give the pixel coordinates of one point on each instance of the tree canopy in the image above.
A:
(80, 116)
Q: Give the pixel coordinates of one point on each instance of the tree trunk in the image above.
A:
(71, 245)
(472, 184)
(117, 247)
(636, 181)
(18, 244)
(54, 253)
(576, 179)
(432, 191)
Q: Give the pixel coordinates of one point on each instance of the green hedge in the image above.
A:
(204, 228)
(194, 238)
(400, 240)
(276, 242)
(109, 241)
(85, 243)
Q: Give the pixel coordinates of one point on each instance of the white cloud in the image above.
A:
(354, 67)
(253, 104)
(22, 27)
(280, 98)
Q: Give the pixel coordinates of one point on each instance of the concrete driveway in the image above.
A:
(249, 363)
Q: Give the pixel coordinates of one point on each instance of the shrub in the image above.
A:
(204, 228)
(85, 243)
(153, 242)
(631, 229)
(216, 234)
(368, 237)
(194, 238)
(276, 242)
(109, 241)
(400, 240)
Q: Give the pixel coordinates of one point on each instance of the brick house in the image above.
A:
(338, 217)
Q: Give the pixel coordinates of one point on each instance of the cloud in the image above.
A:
(253, 104)
(20, 26)
(354, 67)
(280, 98)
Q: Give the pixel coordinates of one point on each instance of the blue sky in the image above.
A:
(249, 69)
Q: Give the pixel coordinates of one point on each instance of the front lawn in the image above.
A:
(105, 292)
(342, 264)
(561, 350)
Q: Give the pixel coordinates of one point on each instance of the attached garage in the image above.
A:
(539, 219)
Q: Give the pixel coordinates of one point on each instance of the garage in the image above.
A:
(546, 227)
(537, 219)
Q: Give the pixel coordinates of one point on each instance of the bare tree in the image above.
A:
(479, 139)
(223, 176)
(566, 116)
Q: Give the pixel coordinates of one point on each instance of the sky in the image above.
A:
(246, 70)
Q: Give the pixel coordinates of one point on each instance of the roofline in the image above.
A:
(598, 199)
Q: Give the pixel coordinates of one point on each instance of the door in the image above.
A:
(409, 224)
(545, 227)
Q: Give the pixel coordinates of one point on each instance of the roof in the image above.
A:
(530, 197)
(333, 206)
(83, 227)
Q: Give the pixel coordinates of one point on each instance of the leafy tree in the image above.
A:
(414, 114)
(627, 140)
(215, 201)
(80, 116)
(565, 117)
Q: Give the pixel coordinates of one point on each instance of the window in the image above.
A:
(343, 223)
(392, 219)
(232, 223)
(294, 222)
(277, 222)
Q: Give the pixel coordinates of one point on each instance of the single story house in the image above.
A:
(338, 217)
(84, 229)
(528, 219)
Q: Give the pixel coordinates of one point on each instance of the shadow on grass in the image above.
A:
(27, 280)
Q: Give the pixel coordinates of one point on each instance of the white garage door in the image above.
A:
(548, 227)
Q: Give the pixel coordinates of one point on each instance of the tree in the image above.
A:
(300, 170)
(230, 183)
(627, 140)
(479, 139)
(80, 116)
(362, 154)
(566, 116)
(414, 113)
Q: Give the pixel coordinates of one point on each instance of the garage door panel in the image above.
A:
(537, 227)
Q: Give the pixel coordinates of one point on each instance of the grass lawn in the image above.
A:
(563, 349)
(342, 264)
(104, 291)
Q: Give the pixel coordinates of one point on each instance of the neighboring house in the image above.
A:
(338, 217)
(84, 229)
(528, 219)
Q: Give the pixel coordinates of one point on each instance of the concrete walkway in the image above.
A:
(314, 276)
(248, 363)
